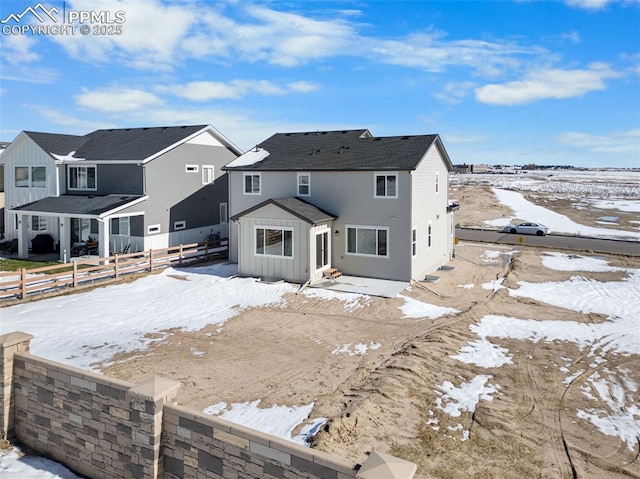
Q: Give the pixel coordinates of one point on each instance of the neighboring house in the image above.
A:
(306, 203)
(127, 189)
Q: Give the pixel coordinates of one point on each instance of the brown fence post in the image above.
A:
(23, 283)
(115, 265)
(150, 260)
(75, 274)
(10, 344)
(180, 256)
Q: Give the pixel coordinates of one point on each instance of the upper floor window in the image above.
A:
(367, 240)
(437, 182)
(429, 235)
(22, 176)
(38, 176)
(34, 176)
(207, 174)
(386, 185)
(304, 184)
(82, 178)
(252, 183)
(191, 168)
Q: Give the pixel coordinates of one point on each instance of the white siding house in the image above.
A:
(387, 198)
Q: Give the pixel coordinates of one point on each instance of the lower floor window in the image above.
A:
(274, 242)
(38, 223)
(367, 240)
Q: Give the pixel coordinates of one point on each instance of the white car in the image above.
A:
(527, 229)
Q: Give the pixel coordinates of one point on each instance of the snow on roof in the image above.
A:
(68, 157)
(251, 157)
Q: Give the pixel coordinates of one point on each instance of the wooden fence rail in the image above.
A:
(20, 284)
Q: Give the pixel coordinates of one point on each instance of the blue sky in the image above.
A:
(502, 82)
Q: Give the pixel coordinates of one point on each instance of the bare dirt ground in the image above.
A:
(385, 398)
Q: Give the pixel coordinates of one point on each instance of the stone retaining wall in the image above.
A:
(104, 428)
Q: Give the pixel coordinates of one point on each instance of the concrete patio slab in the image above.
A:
(356, 284)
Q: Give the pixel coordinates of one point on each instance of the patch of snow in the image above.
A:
(412, 308)
(249, 158)
(356, 349)
(484, 354)
(456, 400)
(467, 286)
(556, 222)
(15, 466)
(493, 285)
(279, 421)
(351, 301)
(575, 262)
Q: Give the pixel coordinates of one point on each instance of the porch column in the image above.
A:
(23, 236)
(65, 238)
(103, 238)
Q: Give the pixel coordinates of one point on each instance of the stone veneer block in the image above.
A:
(270, 452)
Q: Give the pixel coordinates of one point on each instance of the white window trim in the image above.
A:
(179, 225)
(205, 168)
(308, 175)
(191, 168)
(385, 174)
(437, 182)
(429, 235)
(244, 176)
(272, 227)
(368, 227)
(69, 167)
(153, 229)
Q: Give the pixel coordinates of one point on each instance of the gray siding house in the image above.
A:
(130, 189)
(305, 203)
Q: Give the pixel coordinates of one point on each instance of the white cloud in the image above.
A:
(548, 83)
(115, 99)
(17, 49)
(235, 89)
(626, 142)
(433, 52)
(151, 33)
(594, 5)
(454, 92)
(588, 4)
(72, 124)
(303, 86)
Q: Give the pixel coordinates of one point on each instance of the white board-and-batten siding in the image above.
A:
(27, 153)
(295, 269)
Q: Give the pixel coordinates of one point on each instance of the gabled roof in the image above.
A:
(120, 144)
(340, 150)
(81, 205)
(297, 207)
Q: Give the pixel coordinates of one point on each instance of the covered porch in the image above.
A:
(79, 225)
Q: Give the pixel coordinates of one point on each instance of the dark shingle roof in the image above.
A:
(297, 207)
(78, 204)
(343, 150)
(132, 144)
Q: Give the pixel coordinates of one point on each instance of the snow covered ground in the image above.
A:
(619, 301)
(591, 190)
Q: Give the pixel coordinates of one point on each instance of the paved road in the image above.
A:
(579, 243)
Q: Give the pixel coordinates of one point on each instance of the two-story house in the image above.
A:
(304, 203)
(128, 189)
